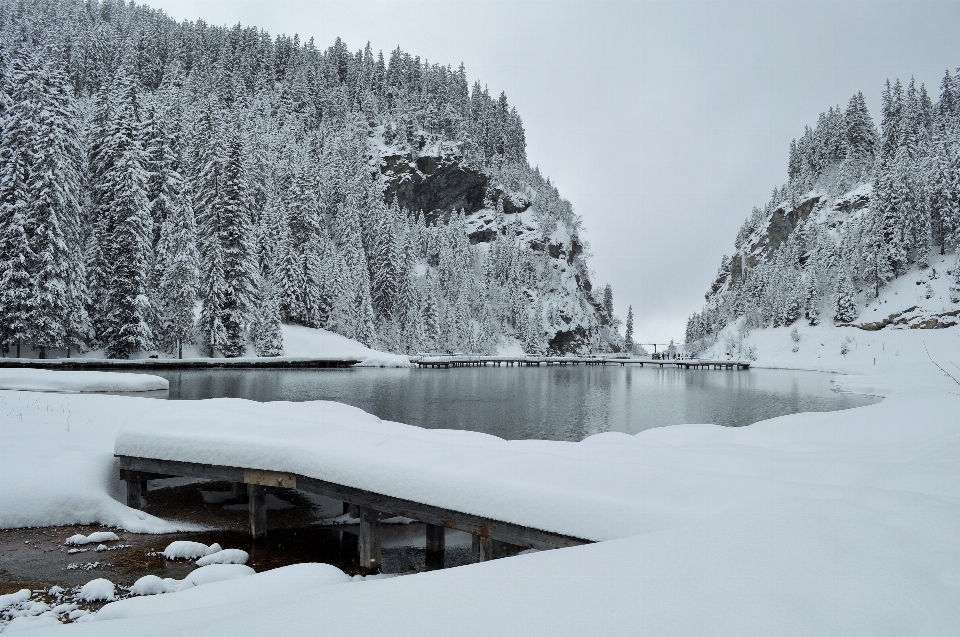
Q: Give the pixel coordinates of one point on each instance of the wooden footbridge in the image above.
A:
(492, 538)
(472, 360)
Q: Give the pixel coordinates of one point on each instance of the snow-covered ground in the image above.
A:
(831, 523)
(69, 381)
(298, 342)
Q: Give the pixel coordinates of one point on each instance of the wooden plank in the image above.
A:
(258, 510)
(370, 540)
(270, 478)
(519, 535)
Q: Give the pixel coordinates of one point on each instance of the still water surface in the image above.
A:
(550, 403)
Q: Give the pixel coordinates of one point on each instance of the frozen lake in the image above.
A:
(553, 403)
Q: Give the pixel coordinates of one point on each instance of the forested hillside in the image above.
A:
(861, 208)
(164, 183)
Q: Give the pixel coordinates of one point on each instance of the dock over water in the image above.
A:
(470, 360)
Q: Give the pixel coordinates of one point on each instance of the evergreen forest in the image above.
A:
(168, 185)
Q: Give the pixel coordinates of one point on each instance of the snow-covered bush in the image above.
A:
(795, 335)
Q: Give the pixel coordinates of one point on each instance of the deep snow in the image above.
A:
(831, 523)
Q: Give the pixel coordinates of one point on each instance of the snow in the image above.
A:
(214, 573)
(830, 523)
(153, 585)
(96, 537)
(70, 381)
(182, 550)
(98, 590)
(580, 490)
(57, 465)
(14, 598)
(226, 556)
(306, 342)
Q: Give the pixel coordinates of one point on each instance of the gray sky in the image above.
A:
(662, 122)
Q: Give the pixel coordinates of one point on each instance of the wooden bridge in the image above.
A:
(473, 360)
(491, 538)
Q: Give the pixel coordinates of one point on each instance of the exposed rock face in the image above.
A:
(782, 223)
(440, 185)
(568, 341)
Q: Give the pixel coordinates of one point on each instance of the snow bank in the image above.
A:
(67, 381)
(57, 465)
(14, 598)
(307, 342)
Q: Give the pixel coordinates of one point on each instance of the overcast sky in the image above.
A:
(662, 122)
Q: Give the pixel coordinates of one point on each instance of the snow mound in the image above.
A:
(69, 381)
(97, 537)
(306, 342)
(214, 573)
(226, 556)
(183, 550)
(98, 590)
(14, 598)
(153, 585)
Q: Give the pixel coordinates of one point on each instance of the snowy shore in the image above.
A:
(815, 523)
(69, 381)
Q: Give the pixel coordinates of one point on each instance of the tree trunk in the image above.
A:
(180, 347)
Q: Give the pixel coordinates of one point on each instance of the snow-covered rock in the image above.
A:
(226, 556)
(96, 537)
(184, 550)
(98, 590)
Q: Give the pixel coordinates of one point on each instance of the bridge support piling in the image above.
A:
(436, 545)
(239, 491)
(257, 495)
(370, 540)
(135, 493)
(482, 548)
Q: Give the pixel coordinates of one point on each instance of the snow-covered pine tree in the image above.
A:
(126, 226)
(57, 314)
(844, 300)
(179, 272)
(234, 237)
(265, 327)
(628, 338)
(16, 258)
(955, 280)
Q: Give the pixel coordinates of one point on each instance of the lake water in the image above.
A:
(551, 403)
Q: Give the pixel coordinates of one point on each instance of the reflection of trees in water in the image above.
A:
(596, 403)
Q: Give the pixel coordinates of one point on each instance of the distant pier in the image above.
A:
(465, 360)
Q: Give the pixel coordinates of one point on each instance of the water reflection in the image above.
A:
(557, 403)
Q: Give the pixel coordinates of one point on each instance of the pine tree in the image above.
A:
(126, 227)
(16, 256)
(234, 238)
(54, 217)
(955, 280)
(179, 274)
(628, 338)
(845, 300)
(265, 327)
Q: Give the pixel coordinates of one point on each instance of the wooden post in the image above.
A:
(436, 545)
(370, 544)
(482, 548)
(134, 493)
(258, 510)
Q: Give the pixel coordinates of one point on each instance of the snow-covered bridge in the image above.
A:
(528, 493)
